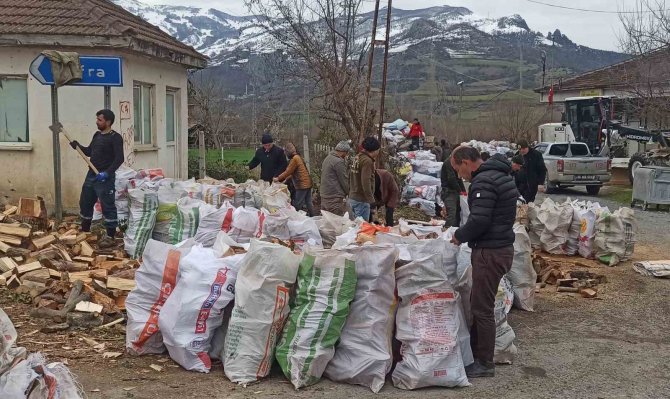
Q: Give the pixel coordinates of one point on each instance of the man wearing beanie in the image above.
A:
(335, 180)
(271, 158)
(362, 182)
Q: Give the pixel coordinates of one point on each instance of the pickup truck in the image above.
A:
(571, 164)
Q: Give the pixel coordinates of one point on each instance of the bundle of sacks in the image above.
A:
(322, 311)
(423, 183)
(584, 228)
(493, 146)
(172, 211)
(29, 375)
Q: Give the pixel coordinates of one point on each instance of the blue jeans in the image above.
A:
(360, 209)
(93, 190)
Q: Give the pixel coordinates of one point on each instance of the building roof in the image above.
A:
(66, 22)
(648, 68)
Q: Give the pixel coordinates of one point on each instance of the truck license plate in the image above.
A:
(586, 177)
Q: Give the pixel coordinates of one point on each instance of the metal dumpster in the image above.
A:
(651, 186)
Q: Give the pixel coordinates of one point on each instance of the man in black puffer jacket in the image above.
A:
(489, 232)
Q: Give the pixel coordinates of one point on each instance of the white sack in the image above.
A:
(331, 225)
(326, 287)
(155, 280)
(430, 168)
(168, 195)
(212, 223)
(247, 224)
(143, 207)
(505, 350)
(556, 220)
(194, 310)
(420, 179)
(427, 325)
(265, 278)
(522, 275)
(364, 355)
(615, 236)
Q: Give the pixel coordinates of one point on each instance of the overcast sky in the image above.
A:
(596, 30)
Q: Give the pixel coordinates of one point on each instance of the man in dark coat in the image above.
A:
(536, 170)
(489, 232)
(520, 176)
(271, 158)
(452, 187)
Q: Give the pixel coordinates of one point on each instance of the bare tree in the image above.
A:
(209, 109)
(516, 119)
(646, 35)
(321, 36)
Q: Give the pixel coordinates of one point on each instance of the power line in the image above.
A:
(596, 11)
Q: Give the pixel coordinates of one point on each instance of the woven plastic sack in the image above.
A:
(427, 325)
(218, 194)
(615, 236)
(572, 245)
(426, 192)
(155, 280)
(247, 224)
(522, 275)
(187, 220)
(556, 220)
(212, 223)
(194, 310)
(9, 352)
(420, 179)
(587, 234)
(430, 168)
(326, 287)
(168, 195)
(248, 195)
(331, 225)
(418, 155)
(535, 225)
(275, 225)
(276, 197)
(427, 207)
(364, 355)
(192, 189)
(262, 292)
(505, 351)
(143, 208)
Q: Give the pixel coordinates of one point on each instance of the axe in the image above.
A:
(58, 128)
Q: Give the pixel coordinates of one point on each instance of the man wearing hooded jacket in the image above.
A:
(489, 232)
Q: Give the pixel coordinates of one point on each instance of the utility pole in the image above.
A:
(460, 109)
(520, 66)
(386, 43)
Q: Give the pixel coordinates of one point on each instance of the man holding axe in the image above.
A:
(106, 156)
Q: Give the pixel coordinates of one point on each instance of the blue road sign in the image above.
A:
(96, 71)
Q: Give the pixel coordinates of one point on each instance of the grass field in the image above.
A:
(240, 155)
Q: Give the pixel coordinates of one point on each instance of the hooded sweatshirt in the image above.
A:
(492, 198)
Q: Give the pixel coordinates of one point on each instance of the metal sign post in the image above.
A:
(96, 71)
(56, 152)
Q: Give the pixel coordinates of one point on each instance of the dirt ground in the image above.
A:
(614, 346)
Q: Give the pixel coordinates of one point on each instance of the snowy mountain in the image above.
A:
(457, 42)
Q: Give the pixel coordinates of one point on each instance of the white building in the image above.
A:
(151, 107)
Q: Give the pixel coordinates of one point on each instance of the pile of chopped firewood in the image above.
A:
(71, 282)
(565, 276)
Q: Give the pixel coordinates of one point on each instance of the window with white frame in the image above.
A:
(171, 114)
(143, 109)
(13, 109)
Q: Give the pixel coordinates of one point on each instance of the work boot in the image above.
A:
(478, 369)
(86, 225)
(106, 242)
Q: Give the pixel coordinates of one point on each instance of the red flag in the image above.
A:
(551, 95)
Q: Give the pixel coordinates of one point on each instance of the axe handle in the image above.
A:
(83, 156)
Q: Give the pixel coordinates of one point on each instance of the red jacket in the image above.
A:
(416, 131)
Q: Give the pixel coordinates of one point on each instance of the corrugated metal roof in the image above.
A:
(650, 68)
(84, 18)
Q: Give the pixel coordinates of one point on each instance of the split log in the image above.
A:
(12, 230)
(116, 283)
(42, 242)
(29, 267)
(86, 249)
(11, 240)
